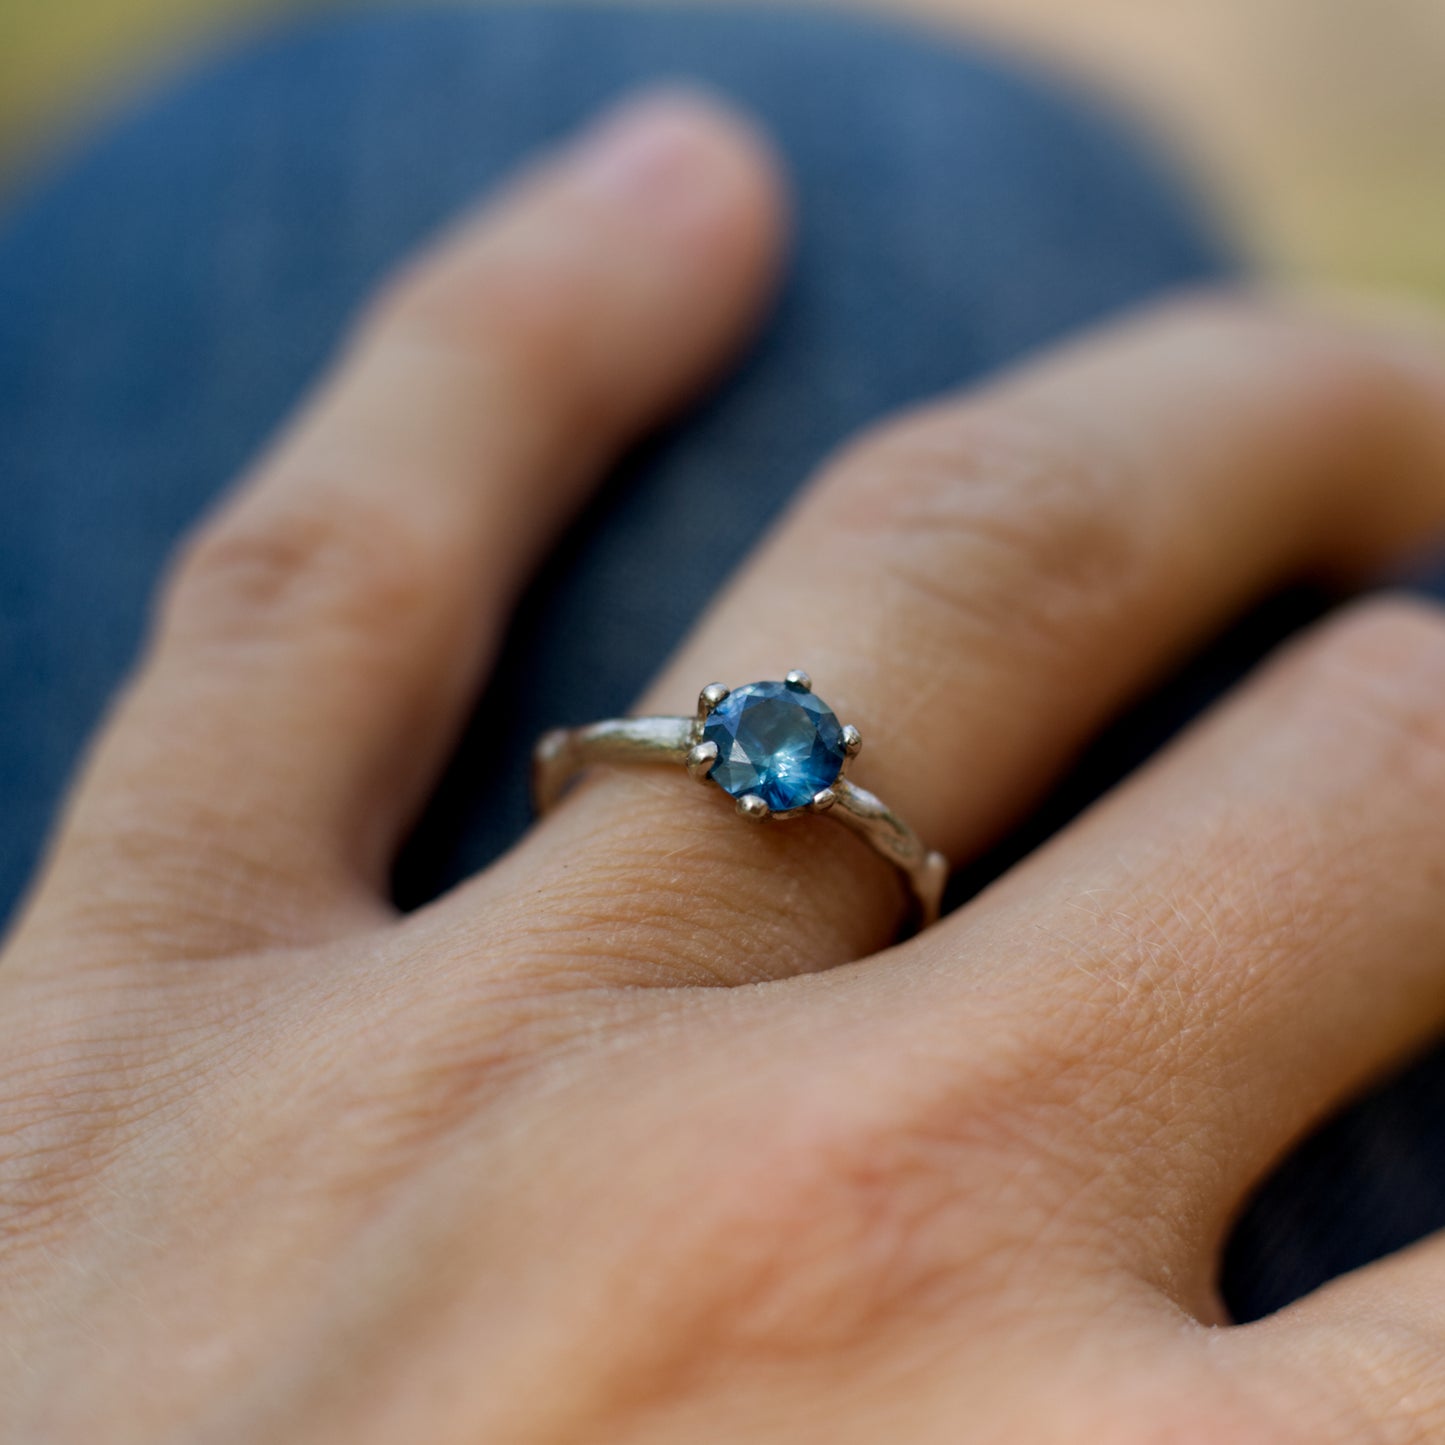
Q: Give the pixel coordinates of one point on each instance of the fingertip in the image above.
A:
(684, 160)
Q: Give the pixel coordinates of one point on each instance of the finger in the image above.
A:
(1233, 943)
(1366, 1349)
(324, 634)
(977, 588)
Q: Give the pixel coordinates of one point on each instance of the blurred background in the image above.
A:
(1320, 124)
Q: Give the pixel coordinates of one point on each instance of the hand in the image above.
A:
(614, 1143)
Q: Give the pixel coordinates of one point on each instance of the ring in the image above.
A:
(775, 747)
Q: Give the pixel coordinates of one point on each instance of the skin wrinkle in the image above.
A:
(1155, 956)
(97, 1091)
(625, 908)
(252, 574)
(783, 1331)
(1370, 1392)
(955, 494)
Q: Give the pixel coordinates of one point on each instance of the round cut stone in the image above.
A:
(776, 741)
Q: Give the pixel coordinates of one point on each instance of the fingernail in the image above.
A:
(653, 153)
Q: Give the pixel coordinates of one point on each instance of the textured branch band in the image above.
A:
(774, 747)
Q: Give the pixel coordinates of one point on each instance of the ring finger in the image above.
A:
(978, 587)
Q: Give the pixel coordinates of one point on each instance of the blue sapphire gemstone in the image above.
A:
(775, 740)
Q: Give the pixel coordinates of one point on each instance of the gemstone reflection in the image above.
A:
(777, 741)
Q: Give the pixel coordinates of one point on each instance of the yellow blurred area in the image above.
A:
(1320, 122)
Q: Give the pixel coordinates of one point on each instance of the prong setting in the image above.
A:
(713, 694)
(700, 760)
(551, 745)
(777, 751)
(777, 746)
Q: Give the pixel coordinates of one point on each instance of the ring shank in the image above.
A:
(562, 754)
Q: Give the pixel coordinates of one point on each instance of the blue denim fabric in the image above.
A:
(168, 291)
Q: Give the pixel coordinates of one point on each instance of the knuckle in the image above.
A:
(1000, 518)
(840, 1214)
(804, 1221)
(56, 1134)
(822, 1245)
(350, 568)
(76, 1087)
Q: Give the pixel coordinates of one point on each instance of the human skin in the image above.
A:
(647, 1134)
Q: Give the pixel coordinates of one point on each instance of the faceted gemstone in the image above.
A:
(775, 740)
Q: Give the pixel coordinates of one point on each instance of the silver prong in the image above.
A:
(551, 745)
(752, 806)
(852, 740)
(549, 773)
(823, 800)
(800, 680)
(931, 883)
(709, 698)
(700, 760)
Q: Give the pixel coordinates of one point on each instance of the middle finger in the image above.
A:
(977, 587)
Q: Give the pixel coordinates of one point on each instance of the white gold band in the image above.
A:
(562, 754)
